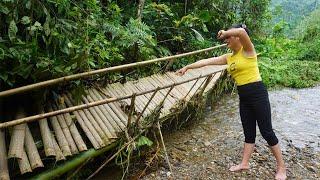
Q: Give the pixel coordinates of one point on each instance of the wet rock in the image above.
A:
(207, 143)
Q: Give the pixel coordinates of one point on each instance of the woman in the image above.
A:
(254, 101)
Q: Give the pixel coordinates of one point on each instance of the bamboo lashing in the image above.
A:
(85, 106)
(99, 71)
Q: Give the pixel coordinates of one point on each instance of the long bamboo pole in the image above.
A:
(88, 105)
(86, 126)
(32, 151)
(46, 136)
(73, 129)
(62, 141)
(4, 172)
(66, 131)
(99, 71)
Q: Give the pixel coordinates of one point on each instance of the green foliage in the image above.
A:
(289, 73)
(42, 40)
(292, 11)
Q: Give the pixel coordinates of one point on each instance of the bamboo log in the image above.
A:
(59, 155)
(73, 129)
(66, 131)
(114, 106)
(99, 71)
(98, 115)
(169, 81)
(84, 106)
(72, 164)
(17, 138)
(106, 116)
(62, 141)
(86, 126)
(175, 94)
(31, 150)
(24, 164)
(140, 99)
(4, 172)
(180, 87)
(106, 109)
(168, 104)
(143, 87)
(120, 90)
(46, 136)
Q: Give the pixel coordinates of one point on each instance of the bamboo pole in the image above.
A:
(145, 107)
(98, 115)
(17, 138)
(175, 93)
(73, 129)
(99, 71)
(59, 155)
(4, 172)
(46, 136)
(66, 131)
(62, 141)
(143, 85)
(108, 116)
(141, 100)
(107, 109)
(81, 158)
(114, 106)
(95, 124)
(86, 126)
(24, 164)
(130, 114)
(85, 106)
(31, 150)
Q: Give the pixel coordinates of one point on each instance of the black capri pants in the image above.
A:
(255, 107)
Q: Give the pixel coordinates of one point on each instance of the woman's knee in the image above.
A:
(270, 137)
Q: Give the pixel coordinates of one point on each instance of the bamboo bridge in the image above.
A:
(67, 128)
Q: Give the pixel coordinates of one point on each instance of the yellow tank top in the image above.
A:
(243, 69)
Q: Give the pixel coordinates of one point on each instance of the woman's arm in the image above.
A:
(220, 60)
(243, 37)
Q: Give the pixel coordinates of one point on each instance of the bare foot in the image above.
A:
(239, 167)
(281, 173)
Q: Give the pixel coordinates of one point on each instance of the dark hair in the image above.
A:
(241, 26)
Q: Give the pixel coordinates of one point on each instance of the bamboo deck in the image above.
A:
(68, 134)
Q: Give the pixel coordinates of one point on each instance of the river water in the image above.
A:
(207, 148)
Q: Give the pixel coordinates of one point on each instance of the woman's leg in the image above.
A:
(263, 114)
(249, 127)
